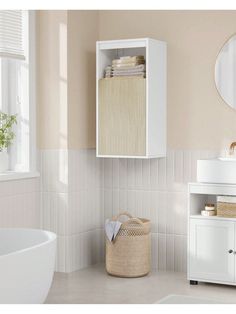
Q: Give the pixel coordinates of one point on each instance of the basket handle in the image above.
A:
(124, 213)
(131, 219)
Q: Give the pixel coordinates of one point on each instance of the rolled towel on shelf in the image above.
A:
(127, 65)
(128, 59)
(140, 67)
(129, 75)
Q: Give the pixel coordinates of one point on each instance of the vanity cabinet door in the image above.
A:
(212, 250)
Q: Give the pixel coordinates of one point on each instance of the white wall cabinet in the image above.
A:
(211, 240)
(131, 111)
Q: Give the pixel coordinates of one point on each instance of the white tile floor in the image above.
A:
(93, 285)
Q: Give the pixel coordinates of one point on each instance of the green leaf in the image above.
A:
(6, 134)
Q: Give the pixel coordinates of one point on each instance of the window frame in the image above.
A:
(32, 92)
(32, 171)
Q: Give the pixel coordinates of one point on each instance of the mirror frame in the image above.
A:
(217, 56)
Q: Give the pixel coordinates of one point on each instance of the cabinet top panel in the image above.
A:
(212, 188)
(125, 43)
(212, 218)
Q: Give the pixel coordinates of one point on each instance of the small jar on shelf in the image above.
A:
(209, 210)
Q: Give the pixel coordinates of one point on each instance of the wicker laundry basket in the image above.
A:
(129, 255)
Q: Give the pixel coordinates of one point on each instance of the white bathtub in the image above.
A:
(27, 260)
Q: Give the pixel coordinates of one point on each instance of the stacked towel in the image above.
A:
(126, 66)
(130, 71)
(129, 60)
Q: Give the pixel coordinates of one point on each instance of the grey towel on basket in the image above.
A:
(112, 228)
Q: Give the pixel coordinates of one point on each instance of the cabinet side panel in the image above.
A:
(156, 100)
(122, 116)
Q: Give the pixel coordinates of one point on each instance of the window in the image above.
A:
(17, 85)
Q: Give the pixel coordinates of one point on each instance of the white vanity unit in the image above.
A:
(211, 240)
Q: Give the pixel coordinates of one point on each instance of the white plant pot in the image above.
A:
(3, 161)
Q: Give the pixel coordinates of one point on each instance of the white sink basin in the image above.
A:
(219, 170)
(227, 158)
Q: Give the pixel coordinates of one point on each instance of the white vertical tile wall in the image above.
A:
(54, 199)
(84, 230)
(155, 189)
(72, 206)
(20, 203)
(79, 191)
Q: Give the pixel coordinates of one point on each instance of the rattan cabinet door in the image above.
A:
(122, 116)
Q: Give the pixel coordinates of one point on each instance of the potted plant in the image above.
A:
(6, 137)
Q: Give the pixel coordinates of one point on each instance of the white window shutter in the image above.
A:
(11, 34)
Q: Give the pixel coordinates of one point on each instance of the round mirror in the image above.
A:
(225, 72)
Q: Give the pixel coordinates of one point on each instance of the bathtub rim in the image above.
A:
(51, 238)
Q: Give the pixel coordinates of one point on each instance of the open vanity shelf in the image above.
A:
(131, 111)
(211, 240)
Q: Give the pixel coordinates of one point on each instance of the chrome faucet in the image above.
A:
(231, 148)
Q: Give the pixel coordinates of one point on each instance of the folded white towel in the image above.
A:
(112, 228)
(128, 72)
(226, 199)
(128, 59)
(140, 67)
(142, 74)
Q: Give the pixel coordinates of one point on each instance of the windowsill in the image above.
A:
(14, 175)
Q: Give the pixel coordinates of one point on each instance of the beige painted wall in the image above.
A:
(197, 116)
(66, 54)
(82, 37)
(52, 79)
